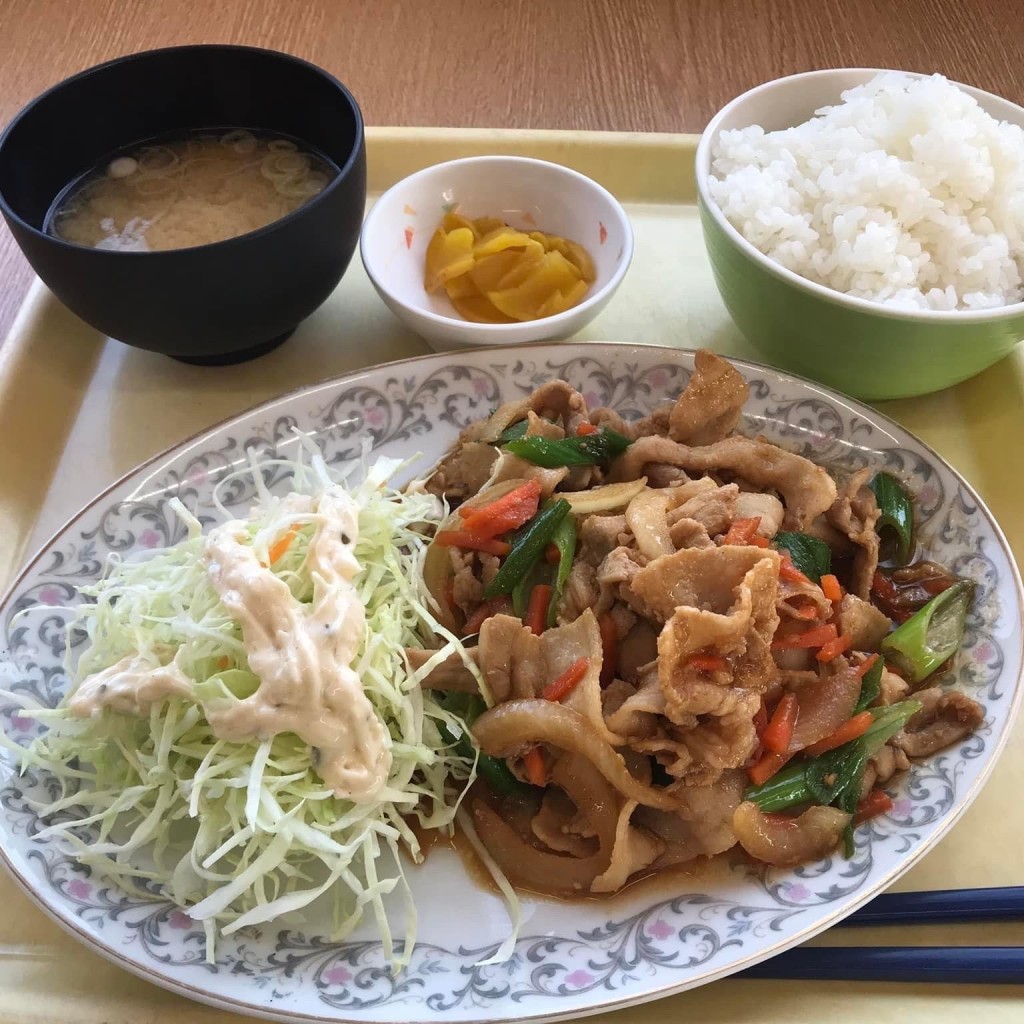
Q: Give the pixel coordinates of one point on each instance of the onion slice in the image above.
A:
(506, 729)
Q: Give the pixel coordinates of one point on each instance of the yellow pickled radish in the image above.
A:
(489, 272)
(493, 273)
(499, 240)
(580, 258)
(554, 273)
(559, 302)
(572, 251)
(461, 287)
(524, 267)
(485, 225)
(480, 310)
(449, 254)
(453, 221)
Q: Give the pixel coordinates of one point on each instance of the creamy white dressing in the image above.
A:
(302, 653)
(131, 686)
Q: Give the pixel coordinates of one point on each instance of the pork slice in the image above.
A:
(537, 426)
(714, 508)
(637, 648)
(581, 591)
(635, 849)
(656, 424)
(605, 417)
(511, 467)
(599, 535)
(855, 514)
(450, 674)
(703, 825)
(518, 664)
(947, 717)
(806, 490)
(892, 689)
(467, 589)
(882, 767)
(739, 631)
(698, 578)
(766, 507)
(463, 471)
(710, 406)
(688, 533)
(556, 401)
(699, 751)
(862, 622)
(561, 826)
(638, 713)
(659, 475)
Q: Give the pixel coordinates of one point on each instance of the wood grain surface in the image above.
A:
(622, 65)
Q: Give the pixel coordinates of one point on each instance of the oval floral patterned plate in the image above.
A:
(571, 958)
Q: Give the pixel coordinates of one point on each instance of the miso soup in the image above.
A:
(177, 193)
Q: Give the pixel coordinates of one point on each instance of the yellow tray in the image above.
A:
(77, 411)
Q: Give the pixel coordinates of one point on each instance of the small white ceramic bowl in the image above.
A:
(532, 195)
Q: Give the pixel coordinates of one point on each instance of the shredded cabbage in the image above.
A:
(239, 833)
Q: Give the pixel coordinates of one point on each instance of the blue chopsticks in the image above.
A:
(983, 965)
(999, 904)
(988, 965)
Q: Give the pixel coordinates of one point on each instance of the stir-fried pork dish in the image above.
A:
(687, 638)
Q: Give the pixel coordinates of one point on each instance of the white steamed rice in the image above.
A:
(906, 193)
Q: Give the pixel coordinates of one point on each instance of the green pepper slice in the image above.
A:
(834, 777)
(528, 548)
(588, 450)
(565, 540)
(811, 556)
(931, 636)
(897, 513)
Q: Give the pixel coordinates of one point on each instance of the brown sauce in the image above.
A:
(900, 591)
(652, 884)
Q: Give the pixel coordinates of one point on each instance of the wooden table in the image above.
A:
(626, 65)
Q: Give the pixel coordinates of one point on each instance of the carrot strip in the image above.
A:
(742, 531)
(807, 612)
(766, 767)
(533, 763)
(493, 606)
(567, 681)
(818, 636)
(758, 541)
(707, 662)
(585, 429)
(280, 547)
(834, 648)
(789, 572)
(537, 609)
(552, 555)
(472, 542)
(866, 666)
(830, 587)
(609, 646)
(875, 803)
(506, 513)
(779, 730)
(849, 730)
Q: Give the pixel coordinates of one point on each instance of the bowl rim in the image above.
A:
(509, 330)
(702, 170)
(358, 147)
